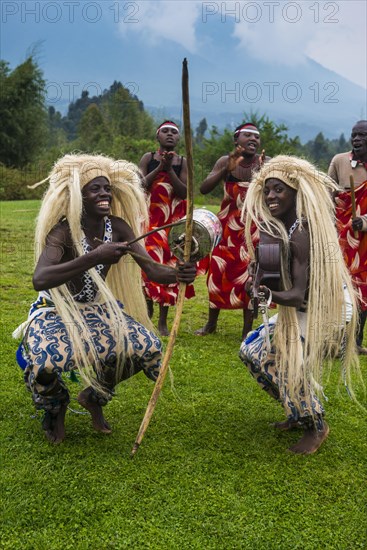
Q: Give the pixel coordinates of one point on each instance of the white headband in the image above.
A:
(249, 131)
(168, 126)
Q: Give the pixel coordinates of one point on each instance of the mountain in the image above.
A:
(307, 98)
(225, 82)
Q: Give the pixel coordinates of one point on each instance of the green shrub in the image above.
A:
(14, 182)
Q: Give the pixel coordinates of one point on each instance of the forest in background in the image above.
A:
(34, 135)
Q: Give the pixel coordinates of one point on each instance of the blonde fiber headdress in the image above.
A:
(328, 274)
(63, 199)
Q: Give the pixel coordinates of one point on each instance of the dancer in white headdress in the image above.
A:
(291, 200)
(91, 313)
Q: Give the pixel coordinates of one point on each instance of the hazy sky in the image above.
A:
(87, 44)
(331, 33)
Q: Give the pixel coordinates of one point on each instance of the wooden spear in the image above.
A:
(188, 237)
(353, 198)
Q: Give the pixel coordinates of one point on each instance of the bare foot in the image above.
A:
(205, 330)
(163, 330)
(286, 425)
(54, 426)
(310, 441)
(98, 420)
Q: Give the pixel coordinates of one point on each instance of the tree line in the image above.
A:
(33, 135)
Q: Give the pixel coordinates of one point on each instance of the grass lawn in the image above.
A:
(211, 472)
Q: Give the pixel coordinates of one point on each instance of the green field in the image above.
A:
(211, 472)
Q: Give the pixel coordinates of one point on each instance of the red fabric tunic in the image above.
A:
(354, 249)
(164, 208)
(229, 261)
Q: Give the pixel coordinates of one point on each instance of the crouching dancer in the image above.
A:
(289, 199)
(91, 313)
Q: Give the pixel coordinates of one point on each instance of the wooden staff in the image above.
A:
(188, 237)
(353, 198)
(154, 231)
(136, 254)
(145, 234)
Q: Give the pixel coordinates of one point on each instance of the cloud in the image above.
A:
(331, 33)
(283, 32)
(343, 47)
(273, 34)
(172, 20)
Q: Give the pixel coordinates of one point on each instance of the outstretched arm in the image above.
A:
(218, 174)
(159, 273)
(221, 170)
(57, 264)
(185, 272)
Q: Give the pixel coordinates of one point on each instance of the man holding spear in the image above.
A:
(349, 171)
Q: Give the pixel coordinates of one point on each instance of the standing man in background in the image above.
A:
(353, 230)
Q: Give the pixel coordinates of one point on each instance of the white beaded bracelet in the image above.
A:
(270, 298)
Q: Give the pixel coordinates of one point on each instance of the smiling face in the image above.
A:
(97, 197)
(280, 199)
(359, 140)
(168, 138)
(249, 140)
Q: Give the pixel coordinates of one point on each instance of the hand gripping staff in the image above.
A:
(188, 237)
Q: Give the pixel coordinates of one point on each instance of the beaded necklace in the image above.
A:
(89, 290)
(294, 226)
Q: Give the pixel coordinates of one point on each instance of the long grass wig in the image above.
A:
(327, 330)
(63, 199)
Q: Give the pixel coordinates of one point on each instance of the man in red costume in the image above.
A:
(353, 231)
